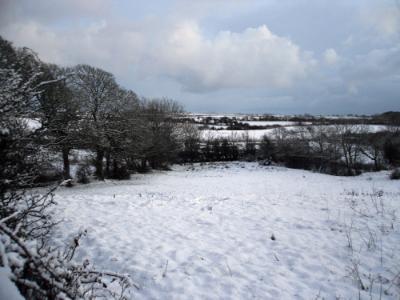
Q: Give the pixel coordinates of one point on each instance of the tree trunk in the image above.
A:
(108, 162)
(99, 164)
(144, 164)
(66, 170)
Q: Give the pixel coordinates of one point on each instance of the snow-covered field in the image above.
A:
(270, 123)
(257, 134)
(241, 231)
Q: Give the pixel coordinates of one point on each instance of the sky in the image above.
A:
(249, 56)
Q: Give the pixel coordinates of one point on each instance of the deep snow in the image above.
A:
(205, 232)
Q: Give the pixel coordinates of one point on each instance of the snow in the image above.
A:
(349, 117)
(271, 123)
(31, 124)
(213, 126)
(257, 134)
(8, 290)
(204, 232)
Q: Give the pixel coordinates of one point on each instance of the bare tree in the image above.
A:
(59, 111)
(161, 142)
(322, 144)
(97, 91)
(347, 137)
(249, 150)
(124, 134)
(372, 146)
(267, 149)
(190, 139)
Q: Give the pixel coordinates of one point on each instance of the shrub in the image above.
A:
(392, 150)
(48, 173)
(83, 173)
(119, 171)
(267, 148)
(39, 270)
(395, 175)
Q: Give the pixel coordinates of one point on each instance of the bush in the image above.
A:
(37, 269)
(119, 171)
(83, 173)
(267, 148)
(395, 175)
(48, 173)
(392, 150)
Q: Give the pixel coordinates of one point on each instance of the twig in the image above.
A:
(229, 268)
(165, 270)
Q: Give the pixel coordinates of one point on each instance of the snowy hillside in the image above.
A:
(241, 231)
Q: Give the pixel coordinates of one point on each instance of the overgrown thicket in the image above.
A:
(339, 149)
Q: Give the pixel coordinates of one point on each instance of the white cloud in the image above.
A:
(352, 88)
(377, 64)
(158, 47)
(330, 56)
(98, 43)
(384, 18)
(349, 41)
(252, 58)
(376, 67)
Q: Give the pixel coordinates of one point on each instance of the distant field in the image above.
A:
(269, 123)
(259, 133)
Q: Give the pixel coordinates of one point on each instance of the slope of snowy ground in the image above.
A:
(241, 231)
